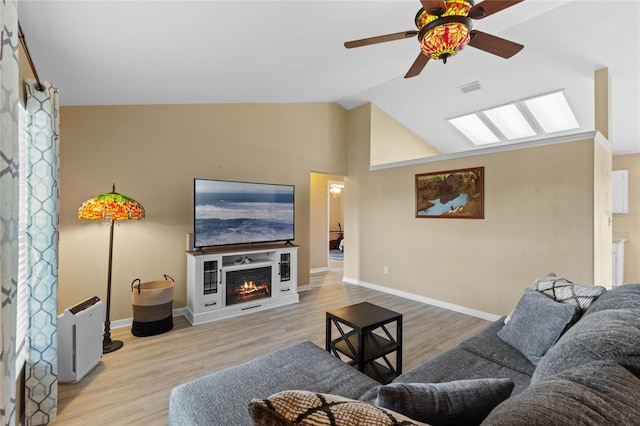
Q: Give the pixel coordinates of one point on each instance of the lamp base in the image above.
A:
(111, 346)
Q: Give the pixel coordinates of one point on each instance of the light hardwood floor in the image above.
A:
(132, 386)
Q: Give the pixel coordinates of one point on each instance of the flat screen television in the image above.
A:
(230, 213)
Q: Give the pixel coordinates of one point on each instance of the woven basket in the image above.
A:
(152, 307)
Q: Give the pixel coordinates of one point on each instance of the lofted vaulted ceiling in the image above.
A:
(168, 52)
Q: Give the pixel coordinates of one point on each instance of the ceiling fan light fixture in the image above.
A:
(445, 40)
(442, 36)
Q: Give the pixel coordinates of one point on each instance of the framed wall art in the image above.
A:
(456, 194)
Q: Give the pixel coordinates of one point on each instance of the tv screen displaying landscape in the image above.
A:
(228, 213)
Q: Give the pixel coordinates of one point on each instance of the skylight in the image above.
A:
(474, 129)
(537, 116)
(552, 112)
(510, 121)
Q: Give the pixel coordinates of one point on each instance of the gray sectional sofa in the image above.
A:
(589, 375)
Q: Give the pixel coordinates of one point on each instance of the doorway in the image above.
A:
(335, 191)
(326, 222)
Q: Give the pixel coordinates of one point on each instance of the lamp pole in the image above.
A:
(109, 345)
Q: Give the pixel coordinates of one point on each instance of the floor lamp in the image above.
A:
(111, 206)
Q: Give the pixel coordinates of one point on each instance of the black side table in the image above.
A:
(361, 345)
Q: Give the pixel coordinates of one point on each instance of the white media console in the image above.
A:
(227, 282)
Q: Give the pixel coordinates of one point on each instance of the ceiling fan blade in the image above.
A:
(417, 66)
(380, 39)
(489, 7)
(495, 45)
(435, 7)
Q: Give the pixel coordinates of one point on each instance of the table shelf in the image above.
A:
(361, 344)
(375, 346)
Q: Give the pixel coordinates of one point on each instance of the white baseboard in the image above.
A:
(318, 270)
(126, 322)
(439, 303)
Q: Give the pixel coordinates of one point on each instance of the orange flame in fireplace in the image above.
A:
(249, 287)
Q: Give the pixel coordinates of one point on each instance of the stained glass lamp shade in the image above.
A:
(445, 35)
(111, 206)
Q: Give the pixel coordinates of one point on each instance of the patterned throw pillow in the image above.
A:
(303, 408)
(564, 291)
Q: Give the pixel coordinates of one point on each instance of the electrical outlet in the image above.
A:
(385, 269)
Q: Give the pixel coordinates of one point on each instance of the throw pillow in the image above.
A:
(597, 393)
(536, 324)
(464, 402)
(303, 408)
(564, 291)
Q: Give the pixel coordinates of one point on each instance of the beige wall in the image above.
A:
(392, 142)
(628, 225)
(539, 202)
(539, 218)
(153, 153)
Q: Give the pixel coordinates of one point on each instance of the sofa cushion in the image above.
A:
(626, 296)
(611, 335)
(488, 345)
(482, 355)
(536, 323)
(597, 393)
(300, 408)
(463, 402)
(221, 398)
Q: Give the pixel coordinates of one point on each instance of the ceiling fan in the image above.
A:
(445, 27)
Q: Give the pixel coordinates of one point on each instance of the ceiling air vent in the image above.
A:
(471, 87)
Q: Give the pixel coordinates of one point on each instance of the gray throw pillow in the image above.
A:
(460, 403)
(536, 324)
(598, 393)
(612, 335)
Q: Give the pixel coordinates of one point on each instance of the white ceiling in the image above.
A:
(167, 52)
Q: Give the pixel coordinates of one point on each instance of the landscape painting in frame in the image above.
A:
(451, 194)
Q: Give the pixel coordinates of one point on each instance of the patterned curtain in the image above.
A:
(41, 370)
(9, 98)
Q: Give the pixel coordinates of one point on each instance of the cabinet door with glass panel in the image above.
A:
(210, 290)
(287, 270)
